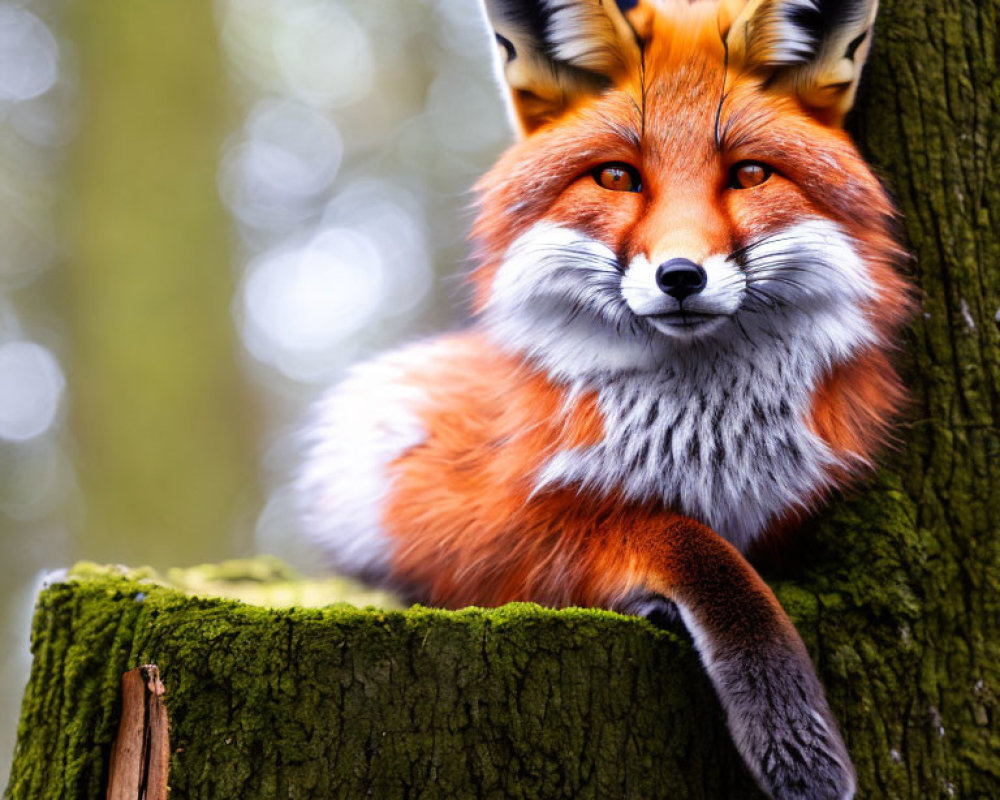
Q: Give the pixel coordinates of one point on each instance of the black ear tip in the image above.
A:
(507, 45)
(627, 5)
(818, 17)
(852, 48)
(527, 16)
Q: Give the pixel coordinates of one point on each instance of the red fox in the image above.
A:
(686, 292)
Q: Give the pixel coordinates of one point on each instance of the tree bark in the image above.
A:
(895, 589)
(907, 576)
(140, 757)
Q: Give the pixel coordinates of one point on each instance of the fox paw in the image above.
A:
(782, 726)
(805, 761)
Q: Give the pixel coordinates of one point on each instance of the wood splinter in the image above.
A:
(140, 757)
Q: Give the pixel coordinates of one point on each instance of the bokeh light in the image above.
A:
(389, 217)
(29, 55)
(302, 302)
(318, 45)
(31, 385)
(287, 155)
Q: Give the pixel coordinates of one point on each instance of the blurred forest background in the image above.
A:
(206, 213)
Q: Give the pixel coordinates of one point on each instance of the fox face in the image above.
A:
(685, 187)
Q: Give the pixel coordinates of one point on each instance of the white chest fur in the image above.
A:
(718, 436)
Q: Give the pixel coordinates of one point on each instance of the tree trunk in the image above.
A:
(896, 590)
(165, 449)
(906, 576)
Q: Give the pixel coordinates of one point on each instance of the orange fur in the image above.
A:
(460, 503)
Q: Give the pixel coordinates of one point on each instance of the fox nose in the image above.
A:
(680, 278)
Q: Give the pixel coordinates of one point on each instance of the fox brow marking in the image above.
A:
(721, 135)
(723, 131)
(642, 89)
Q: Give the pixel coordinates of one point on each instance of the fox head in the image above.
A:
(682, 185)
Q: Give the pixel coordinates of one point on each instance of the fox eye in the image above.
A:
(618, 177)
(747, 174)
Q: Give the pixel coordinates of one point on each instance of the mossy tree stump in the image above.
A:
(518, 702)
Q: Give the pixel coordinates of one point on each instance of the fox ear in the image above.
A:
(816, 48)
(554, 52)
